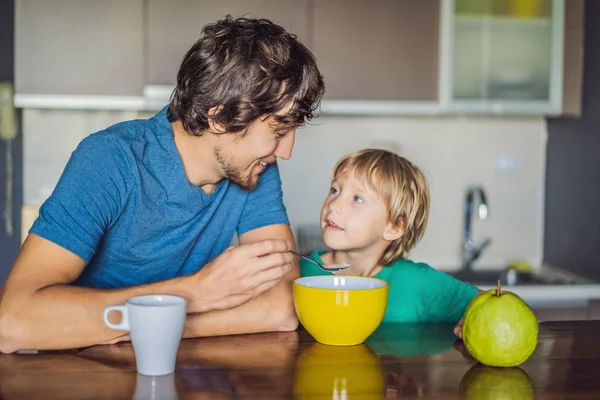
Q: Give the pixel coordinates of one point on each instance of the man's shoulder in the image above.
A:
(120, 132)
(123, 141)
(101, 148)
(135, 130)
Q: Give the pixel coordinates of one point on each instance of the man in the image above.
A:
(151, 206)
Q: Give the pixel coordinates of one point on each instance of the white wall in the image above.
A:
(454, 152)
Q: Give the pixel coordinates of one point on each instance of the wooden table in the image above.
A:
(398, 361)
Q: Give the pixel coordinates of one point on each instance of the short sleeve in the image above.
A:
(88, 197)
(264, 205)
(446, 297)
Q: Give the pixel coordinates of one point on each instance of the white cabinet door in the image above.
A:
(502, 56)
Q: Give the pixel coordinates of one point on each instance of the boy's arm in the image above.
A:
(446, 296)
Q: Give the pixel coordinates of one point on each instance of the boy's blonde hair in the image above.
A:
(402, 187)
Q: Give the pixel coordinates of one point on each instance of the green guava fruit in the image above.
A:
(489, 383)
(499, 329)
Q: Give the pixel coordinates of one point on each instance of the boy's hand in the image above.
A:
(460, 347)
(458, 328)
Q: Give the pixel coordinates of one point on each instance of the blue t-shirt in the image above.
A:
(124, 205)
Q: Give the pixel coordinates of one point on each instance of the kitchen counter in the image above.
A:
(560, 288)
(555, 296)
(398, 360)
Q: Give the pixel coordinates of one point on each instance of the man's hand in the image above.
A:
(240, 274)
(41, 309)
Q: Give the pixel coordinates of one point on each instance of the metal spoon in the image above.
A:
(328, 267)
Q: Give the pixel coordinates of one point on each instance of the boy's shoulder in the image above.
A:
(422, 275)
(405, 267)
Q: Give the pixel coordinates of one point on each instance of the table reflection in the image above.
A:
(62, 376)
(482, 382)
(155, 388)
(409, 340)
(397, 361)
(339, 372)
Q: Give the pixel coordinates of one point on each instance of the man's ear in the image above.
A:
(395, 231)
(213, 126)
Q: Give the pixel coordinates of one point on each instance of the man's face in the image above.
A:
(244, 156)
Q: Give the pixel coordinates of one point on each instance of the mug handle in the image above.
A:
(124, 325)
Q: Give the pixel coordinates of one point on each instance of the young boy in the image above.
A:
(374, 215)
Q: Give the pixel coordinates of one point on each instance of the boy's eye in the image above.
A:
(333, 190)
(358, 199)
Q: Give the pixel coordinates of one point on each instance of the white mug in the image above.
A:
(155, 324)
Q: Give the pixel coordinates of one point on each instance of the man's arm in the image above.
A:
(40, 276)
(264, 217)
(40, 309)
(273, 310)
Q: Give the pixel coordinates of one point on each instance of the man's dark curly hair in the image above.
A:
(247, 68)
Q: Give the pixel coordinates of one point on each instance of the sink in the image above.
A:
(490, 277)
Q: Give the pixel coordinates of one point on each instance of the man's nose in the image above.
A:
(285, 146)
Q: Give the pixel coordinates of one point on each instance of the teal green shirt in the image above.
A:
(417, 292)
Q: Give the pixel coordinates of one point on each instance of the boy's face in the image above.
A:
(353, 217)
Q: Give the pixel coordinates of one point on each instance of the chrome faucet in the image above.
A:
(470, 252)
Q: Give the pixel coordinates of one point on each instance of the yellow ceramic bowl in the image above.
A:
(340, 310)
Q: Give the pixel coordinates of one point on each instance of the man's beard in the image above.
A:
(234, 174)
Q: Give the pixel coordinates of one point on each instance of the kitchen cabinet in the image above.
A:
(509, 56)
(79, 48)
(378, 57)
(573, 57)
(174, 26)
(377, 50)
(406, 56)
